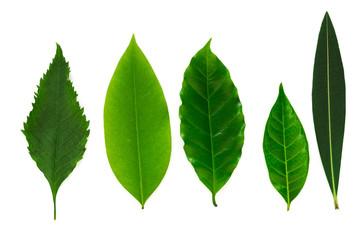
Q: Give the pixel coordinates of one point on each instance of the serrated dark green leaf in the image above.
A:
(137, 125)
(286, 149)
(212, 122)
(56, 128)
(328, 100)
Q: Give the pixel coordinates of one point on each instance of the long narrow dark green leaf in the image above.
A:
(56, 128)
(286, 149)
(212, 122)
(328, 100)
(137, 125)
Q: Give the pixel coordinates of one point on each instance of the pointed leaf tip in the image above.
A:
(207, 45)
(59, 52)
(58, 47)
(133, 41)
(327, 17)
(281, 89)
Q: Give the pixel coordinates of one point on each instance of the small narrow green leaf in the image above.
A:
(328, 100)
(212, 122)
(56, 128)
(137, 125)
(286, 149)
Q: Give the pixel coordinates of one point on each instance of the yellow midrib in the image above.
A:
(328, 99)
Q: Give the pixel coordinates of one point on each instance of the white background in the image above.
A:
(262, 43)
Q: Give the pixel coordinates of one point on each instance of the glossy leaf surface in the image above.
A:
(286, 149)
(212, 122)
(137, 125)
(56, 128)
(328, 100)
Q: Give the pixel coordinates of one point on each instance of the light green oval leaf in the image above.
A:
(56, 128)
(137, 125)
(328, 100)
(212, 122)
(286, 149)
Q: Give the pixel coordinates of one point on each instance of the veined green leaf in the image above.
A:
(56, 128)
(328, 100)
(137, 125)
(286, 149)
(212, 122)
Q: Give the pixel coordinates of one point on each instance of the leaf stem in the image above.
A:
(336, 202)
(54, 200)
(213, 200)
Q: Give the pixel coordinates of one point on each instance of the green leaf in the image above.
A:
(328, 100)
(137, 125)
(212, 122)
(286, 149)
(56, 128)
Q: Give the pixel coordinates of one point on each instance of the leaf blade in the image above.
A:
(212, 123)
(329, 103)
(136, 114)
(56, 128)
(285, 149)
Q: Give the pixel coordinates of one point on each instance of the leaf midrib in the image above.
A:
(137, 128)
(285, 158)
(54, 191)
(329, 104)
(210, 128)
